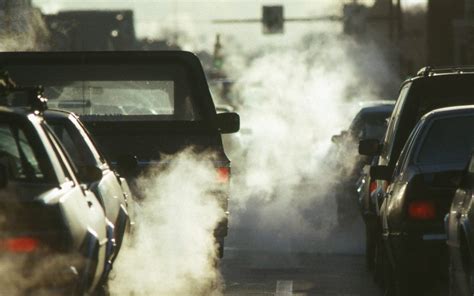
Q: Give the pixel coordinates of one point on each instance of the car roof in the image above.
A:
(17, 111)
(434, 73)
(448, 111)
(383, 108)
(57, 114)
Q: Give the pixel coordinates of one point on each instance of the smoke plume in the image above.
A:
(173, 251)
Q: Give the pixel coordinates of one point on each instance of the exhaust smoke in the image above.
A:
(173, 251)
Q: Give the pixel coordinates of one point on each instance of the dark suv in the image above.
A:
(430, 89)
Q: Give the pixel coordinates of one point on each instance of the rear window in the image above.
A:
(114, 97)
(371, 125)
(448, 141)
(117, 92)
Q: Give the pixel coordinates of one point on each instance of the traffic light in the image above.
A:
(273, 19)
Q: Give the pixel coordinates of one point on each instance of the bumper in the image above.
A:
(418, 253)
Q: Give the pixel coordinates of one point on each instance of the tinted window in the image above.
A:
(373, 125)
(394, 120)
(448, 141)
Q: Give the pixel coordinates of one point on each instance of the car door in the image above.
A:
(392, 204)
(82, 211)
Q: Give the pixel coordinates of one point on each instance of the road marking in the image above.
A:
(284, 288)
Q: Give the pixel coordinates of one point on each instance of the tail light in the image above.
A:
(372, 186)
(19, 245)
(422, 210)
(223, 175)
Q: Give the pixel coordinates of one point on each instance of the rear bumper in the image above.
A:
(418, 253)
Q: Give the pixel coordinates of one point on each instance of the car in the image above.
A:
(460, 235)
(430, 89)
(368, 123)
(112, 191)
(419, 196)
(53, 227)
(138, 107)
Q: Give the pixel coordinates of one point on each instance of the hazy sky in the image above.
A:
(194, 16)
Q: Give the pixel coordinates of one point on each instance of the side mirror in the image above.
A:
(380, 172)
(228, 122)
(89, 174)
(127, 164)
(370, 147)
(3, 176)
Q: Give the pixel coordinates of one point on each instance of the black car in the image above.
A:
(460, 232)
(430, 89)
(53, 229)
(113, 192)
(369, 123)
(135, 104)
(419, 196)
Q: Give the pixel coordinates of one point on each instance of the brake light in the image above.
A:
(19, 244)
(372, 187)
(422, 210)
(223, 174)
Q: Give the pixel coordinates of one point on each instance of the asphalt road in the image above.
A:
(285, 274)
(275, 259)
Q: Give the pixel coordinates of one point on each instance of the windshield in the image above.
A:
(448, 141)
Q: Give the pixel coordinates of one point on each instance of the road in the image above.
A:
(285, 274)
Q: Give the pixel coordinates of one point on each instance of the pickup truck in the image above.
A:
(138, 106)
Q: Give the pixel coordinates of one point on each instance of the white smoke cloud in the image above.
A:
(173, 251)
(293, 99)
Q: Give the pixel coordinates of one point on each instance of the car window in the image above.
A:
(67, 167)
(114, 97)
(448, 141)
(407, 150)
(394, 122)
(17, 153)
(74, 143)
(108, 92)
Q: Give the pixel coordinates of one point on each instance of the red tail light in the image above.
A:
(422, 210)
(223, 174)
(19, 244)
(372, 187)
